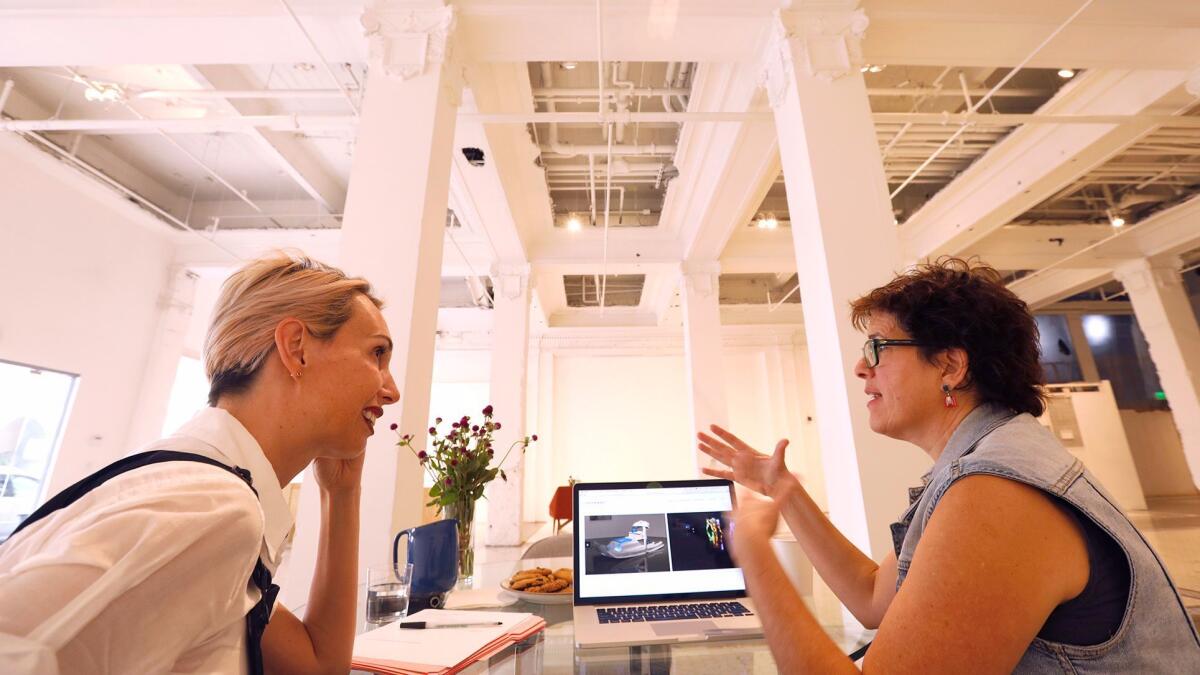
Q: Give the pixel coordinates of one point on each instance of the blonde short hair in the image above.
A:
(256, 298)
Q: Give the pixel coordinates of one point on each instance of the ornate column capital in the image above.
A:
(511, 281)
(826, 44)
(1138, 275)
(702, 278)
(407, 40)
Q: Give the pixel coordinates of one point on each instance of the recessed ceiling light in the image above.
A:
(766, 221)
(1066, 73)
(569, 65)
(574, 224)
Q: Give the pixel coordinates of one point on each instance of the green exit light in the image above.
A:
(1160, 395)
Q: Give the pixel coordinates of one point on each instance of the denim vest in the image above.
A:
(1155, 635)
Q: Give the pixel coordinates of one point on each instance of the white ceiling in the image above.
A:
(1004, 191)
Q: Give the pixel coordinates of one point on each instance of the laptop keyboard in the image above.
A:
(708, 610)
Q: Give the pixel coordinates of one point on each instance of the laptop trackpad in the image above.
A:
(683, 627)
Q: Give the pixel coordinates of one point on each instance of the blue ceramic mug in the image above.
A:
(433, 552)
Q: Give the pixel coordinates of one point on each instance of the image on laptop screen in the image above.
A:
(654, 541)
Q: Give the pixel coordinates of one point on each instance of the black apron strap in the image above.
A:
(260, 614)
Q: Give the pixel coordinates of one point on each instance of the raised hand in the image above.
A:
(765, 474)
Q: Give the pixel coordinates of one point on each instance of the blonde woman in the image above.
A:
(162, 562)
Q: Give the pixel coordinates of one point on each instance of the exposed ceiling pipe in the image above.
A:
(988, 96)
(602, 102)
(146, 125)
(669, 83)
(592, 185)
(590, 94)
(620, 72)
(240, 93)
(607, 212)
(916, 104)
(317, 50)
(548, 80)
(680, 80)
(240, 194)
(568, 150)
(103, 178)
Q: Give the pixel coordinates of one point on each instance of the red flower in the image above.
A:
(454, 425)
(437, 420)
(475, 428)
(454, 462)
(497, 425)
(432, 431)
(449, 481)
(422, 455)
(487, 412)
(533, 437)
(394, 426)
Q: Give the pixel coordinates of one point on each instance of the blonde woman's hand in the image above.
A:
(336, 476)
(765, 474)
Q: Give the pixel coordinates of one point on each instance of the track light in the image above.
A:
(569, 65)
(1066, 73)
(1114, 218)
(871, 68)
(574, 224)
(766, 221)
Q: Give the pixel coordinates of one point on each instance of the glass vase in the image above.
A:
(464, 512)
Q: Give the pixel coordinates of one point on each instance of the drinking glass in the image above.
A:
(387, 592)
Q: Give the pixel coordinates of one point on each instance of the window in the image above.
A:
(189, 394)
(33, 411)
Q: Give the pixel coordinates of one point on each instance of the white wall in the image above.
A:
(611, 408)
(81, 272)
(1158, 453)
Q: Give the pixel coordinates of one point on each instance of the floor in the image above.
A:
(1172, 526)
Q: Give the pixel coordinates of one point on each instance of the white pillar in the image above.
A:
(703, 361)
(1164, 313)
(175, 305)
(392, 234)
(510, 361)
(846, 244)
(1083, 350)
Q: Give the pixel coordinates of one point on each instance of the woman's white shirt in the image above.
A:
(148, 573)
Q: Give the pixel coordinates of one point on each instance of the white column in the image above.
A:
(392, 234)
(1160, 302)
(1083, 350)
(175, 305)
(703, 363)
(510, 360)
(846, 244)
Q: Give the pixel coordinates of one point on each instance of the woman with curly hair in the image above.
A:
(1010, 557)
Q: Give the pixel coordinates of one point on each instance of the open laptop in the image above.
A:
(652, 565)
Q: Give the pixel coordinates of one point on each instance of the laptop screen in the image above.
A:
(639, 542)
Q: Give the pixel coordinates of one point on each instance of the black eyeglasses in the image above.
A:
(873, 346)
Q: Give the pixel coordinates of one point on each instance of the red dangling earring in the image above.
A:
(950, 402)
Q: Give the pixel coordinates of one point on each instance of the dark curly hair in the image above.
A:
(958, 303)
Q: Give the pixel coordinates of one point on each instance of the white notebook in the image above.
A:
(445, 647)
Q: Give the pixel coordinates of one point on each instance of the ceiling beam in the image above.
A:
(1034, 162)
(991, 33)
(282, 148)
(1170, 232)
(1003, 33)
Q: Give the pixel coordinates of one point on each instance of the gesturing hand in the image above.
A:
(754, 523)
(762, 473)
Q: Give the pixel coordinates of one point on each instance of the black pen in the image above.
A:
(424, 624)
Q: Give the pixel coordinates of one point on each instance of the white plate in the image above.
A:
(563, 597)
